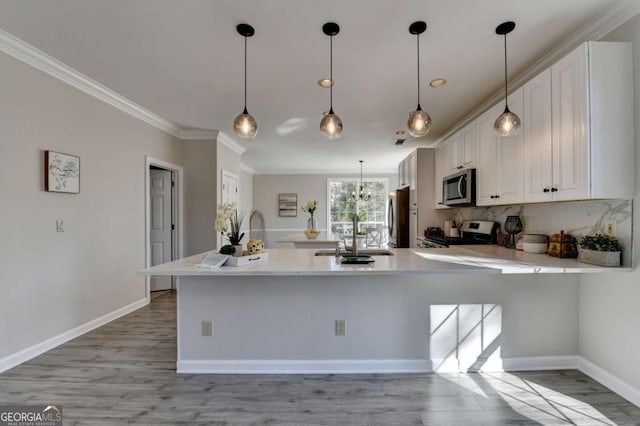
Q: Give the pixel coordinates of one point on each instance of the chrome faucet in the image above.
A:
(354, 244)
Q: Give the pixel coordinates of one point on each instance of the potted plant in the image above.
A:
(228, 224)
(599, 250)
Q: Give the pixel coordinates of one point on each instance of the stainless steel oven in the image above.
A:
(459, 189)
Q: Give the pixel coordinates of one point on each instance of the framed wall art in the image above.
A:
(61, 172)
(288, 205)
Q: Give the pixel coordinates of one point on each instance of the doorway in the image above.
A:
(163, 215)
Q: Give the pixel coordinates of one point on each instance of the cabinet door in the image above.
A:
(468, 145)
(570, 126)
(538, 138)
(486, 163)
(454, 153)
(412, 170)
(510, 158)
(439, 166)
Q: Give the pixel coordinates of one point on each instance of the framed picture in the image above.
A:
(61, 172)
(288, 205)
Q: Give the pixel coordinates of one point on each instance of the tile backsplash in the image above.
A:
(576, 218)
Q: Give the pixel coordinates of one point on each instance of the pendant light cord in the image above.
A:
(331, 73)
(245, 73)
(506, 105)
(418, 44)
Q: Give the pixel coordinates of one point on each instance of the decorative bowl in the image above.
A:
(311, 233)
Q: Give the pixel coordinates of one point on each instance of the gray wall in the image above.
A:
(609, 304)
(54, 282)
(200, 181)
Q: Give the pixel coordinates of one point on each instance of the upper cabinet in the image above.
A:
(499, 172)
(460, 149)
(578, 124)
(407, 171)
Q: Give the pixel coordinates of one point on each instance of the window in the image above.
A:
(341, 206)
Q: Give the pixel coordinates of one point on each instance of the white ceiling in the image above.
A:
(183, 60)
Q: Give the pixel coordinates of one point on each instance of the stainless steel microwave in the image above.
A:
(459, 189)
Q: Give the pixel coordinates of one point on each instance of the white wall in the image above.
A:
(610, 304)
(308, 187)
(246, 200)
(54, 282)
(200, 180)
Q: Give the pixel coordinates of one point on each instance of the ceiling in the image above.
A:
(183, 60)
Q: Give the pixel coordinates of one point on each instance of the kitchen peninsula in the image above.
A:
(280, 316)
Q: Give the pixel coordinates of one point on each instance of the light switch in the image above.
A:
(60, 225)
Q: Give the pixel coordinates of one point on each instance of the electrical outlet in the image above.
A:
(340, 327)
(207, 328)
(610, 228)
(59, 225)
(526, 225)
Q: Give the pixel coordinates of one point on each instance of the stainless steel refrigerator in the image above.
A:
(403, 218)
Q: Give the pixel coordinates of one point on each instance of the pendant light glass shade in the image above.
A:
(507, 123)
(419, 122)
(245, 126)
(331, 124)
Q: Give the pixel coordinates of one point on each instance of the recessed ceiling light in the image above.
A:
(438, 82)
(400, 132)
(326, 83)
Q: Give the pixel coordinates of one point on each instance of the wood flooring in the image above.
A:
(124, 373)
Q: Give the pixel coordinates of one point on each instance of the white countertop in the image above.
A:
(452, 260)
(304, 262)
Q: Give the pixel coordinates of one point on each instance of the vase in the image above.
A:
(312, 223)
(238, 252)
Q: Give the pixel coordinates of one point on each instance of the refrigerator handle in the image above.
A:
(391, 218)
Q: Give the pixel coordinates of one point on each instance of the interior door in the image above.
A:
(161, 224)
(229, 188)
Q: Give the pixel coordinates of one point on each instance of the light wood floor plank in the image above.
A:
(124, 373)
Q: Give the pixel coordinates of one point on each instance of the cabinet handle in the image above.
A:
(497, 196)
(546, 190)
(460, 167)
(554, 189)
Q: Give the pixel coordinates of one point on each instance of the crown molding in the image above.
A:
(197, 134)
(247, 168)
(234, 146)
(598, 28)
(28, 54)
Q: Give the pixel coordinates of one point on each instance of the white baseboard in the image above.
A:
(566, 362)
(611, 381)
(24, 355)
(322, 366)
(359, 366)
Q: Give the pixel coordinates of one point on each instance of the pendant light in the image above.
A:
(419, 122)
(331, 125)
(245, 125)
(364, 196)
(507, 123)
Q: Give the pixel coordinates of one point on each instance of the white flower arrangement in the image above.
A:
(228, 224)
(310, 207)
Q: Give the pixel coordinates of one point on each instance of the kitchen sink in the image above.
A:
(363, 252)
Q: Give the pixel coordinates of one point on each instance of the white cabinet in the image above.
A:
(499, 172)
(460, 149)
(537, 138)
(579, 126)
(407, 171)
(440, 164)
